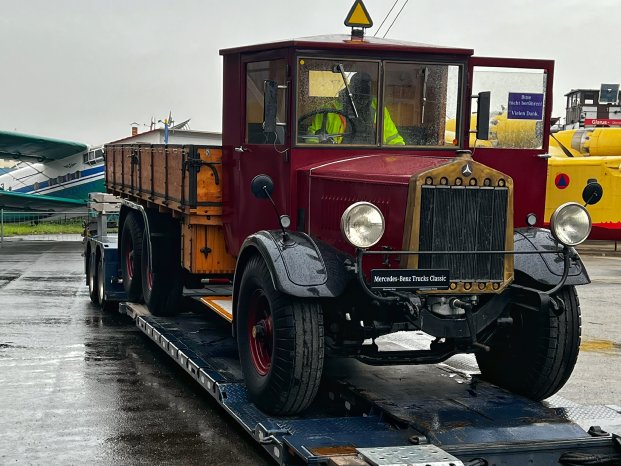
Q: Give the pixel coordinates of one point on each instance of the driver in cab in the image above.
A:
(358, 109)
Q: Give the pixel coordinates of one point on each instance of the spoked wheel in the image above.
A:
(92, 279)
(162, 283)
(131, 256)
(280, 342)
(536, 356)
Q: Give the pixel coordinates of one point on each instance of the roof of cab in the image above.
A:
(345, 42)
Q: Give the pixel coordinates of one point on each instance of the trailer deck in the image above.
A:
(429, 415)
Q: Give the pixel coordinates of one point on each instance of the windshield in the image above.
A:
(338, 103)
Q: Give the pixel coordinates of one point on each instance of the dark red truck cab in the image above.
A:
(393, 209)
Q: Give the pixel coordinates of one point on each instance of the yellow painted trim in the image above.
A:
(209, 302)
(452, 171)
(599, 346)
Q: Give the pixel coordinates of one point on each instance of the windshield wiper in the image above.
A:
(340, 69)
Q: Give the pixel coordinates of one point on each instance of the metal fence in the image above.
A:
(19, 223)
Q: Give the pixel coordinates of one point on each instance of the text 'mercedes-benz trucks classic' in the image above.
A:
(347, 202)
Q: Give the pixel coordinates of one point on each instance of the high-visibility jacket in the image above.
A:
(337, 124)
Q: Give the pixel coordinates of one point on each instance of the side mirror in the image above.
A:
(262, 186)
(270, 105)
(592, 192)
(483, 106)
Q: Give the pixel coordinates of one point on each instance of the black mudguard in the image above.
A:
(545, 269)
(299, 266)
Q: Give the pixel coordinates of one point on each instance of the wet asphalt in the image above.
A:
(79, 386)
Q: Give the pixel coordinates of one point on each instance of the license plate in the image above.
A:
(419, 279)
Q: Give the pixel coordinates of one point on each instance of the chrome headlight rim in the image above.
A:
(557, 217)
(346, 220)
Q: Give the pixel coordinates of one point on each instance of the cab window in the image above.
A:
(421, 104)
(257, 73)
(337, 101)
(517, 108)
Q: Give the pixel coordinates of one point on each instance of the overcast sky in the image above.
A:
(85, 70)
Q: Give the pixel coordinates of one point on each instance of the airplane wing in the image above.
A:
(17, 146)
(36, 202)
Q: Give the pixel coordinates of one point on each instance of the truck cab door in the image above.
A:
(519, 126)
(261, 151)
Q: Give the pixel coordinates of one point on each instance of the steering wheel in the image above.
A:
(322, 135)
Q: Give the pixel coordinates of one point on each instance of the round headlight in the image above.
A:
(570, 224)
(362, 224)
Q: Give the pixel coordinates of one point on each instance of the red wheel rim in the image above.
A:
(129, 260)
(261, 332)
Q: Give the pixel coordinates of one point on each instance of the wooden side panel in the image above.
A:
(145, 161)
(204, 250)
(184, 178)
(184, 181)
(176, 175)
(209, 178)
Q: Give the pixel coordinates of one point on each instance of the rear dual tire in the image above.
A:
(131, 256)
(92, 279)
(104, 303)
(162, 284)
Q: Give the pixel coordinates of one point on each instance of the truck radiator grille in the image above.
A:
(457, 218)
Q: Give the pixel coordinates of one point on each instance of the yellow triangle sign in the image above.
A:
(358, 16)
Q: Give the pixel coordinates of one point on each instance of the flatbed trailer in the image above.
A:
(441, 414)
(381, 415)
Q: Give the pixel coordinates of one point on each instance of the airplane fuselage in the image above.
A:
(72, 177)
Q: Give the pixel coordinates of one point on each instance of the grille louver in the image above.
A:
(458, 218)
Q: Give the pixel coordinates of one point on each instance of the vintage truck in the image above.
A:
(321, 223)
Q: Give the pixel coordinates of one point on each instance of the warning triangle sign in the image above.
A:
(358, 16)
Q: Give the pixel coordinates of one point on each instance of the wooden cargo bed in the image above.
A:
(184, 180)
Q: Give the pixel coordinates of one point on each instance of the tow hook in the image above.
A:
(467, 308)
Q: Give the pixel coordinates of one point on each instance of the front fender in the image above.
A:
(298, 266)
(545, 269)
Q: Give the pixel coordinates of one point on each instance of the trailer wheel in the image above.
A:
(104, 304)
(92, 279)
(131, 253)
(280, 341)
(536, 356)
(162, 289)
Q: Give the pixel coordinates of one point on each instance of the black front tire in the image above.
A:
(536, 356)
(131, 256)
(283, 370)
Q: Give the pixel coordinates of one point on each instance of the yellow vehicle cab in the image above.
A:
(589, 148)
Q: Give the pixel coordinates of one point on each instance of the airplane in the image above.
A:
(50, 174)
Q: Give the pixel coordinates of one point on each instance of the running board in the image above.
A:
(211, 290)
(221, 305)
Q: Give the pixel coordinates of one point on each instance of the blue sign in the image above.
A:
(524, 106)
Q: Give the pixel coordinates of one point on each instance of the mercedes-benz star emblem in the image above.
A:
(466, 170)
